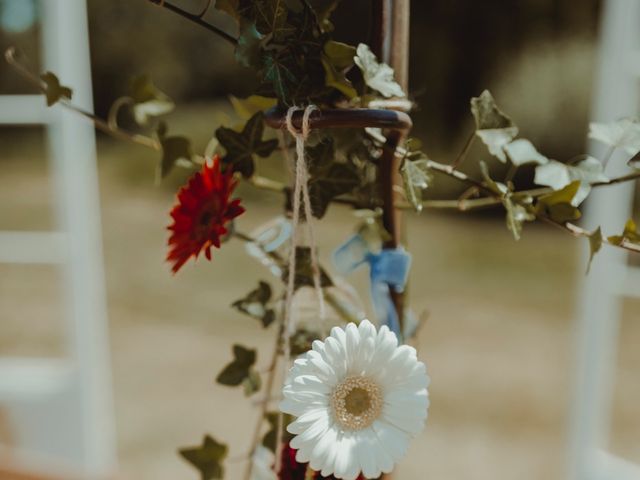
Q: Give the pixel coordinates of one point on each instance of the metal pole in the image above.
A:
(391, 44)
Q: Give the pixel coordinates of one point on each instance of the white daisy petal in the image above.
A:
(323, 449)
(394, 441)
(401, 419)
(358, 398)
(366, 456)
(304, 421)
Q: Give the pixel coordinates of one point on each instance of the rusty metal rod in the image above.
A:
(343, 118)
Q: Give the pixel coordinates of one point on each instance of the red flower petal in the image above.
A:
(203, 210)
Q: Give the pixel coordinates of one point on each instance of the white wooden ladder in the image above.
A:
(611, 278)
(61, 411)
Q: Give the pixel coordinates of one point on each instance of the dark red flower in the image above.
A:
(292, 470)
(202, 213)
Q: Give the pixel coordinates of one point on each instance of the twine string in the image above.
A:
(301, 200)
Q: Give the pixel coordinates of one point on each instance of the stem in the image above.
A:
(624, 178)
(463, 153)
(264, 406)
(196, 19)
(511, 173)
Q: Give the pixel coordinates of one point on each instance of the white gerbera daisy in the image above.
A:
(359, 397)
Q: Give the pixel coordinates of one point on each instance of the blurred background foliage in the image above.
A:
(535, 55)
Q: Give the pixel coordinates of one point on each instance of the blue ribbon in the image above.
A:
(388, 268)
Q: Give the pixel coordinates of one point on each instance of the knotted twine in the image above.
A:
(300, 200)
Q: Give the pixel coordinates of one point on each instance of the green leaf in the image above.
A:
(595, 244)
(278, 71)
(207, 458)
(558, 175)
(624, 133)
(522, 151)
(340, 55)
(269, 438)
(238, 370)
(302, 340)
(245, 108)
(630, 234)
(148, 100)
(174, 148)
(378, 76)
(304, 271)
(242, 146)
(252, 383)
(249, 48)
(54, 91)
(323, 10)
(493, 127)
(417, 177)
(328, 178)
(558, 205)
(516, 214)
(270, 17)
(337, 60)
(255, 304)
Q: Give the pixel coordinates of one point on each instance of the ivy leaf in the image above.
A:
(378, 76)
(249, 45)
(302, 340)
(278, 73)
(630, 234)
(245, 108)
(252, 383)
(624, 133)
(148, 101)
(174, 148)
(493, 127)
(417, 177)
(337, 59)
(269, 438)
(595, 244)
(558, 175)
(271, 18)
(323, 10)
(328, 178)
(207, 458)
(559, 205)
(304, 272)
(54, 91)
(242, 146)
(255, 304)
(516, 214)
(236, 372)
(522, 151)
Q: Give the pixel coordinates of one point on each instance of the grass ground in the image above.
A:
(498, 341)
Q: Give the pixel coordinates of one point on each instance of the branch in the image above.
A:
(580, 232)
(196, 18)
(99, 123)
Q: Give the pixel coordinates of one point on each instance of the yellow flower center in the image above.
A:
(356, 402)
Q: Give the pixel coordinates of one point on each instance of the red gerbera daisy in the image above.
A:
(202, 213)
(293, 470)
